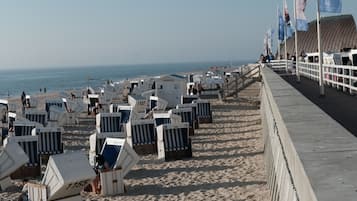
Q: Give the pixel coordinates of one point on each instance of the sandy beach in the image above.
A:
(227, 161)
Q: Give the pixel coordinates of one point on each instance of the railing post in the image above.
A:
(236, 80)
(350, 79)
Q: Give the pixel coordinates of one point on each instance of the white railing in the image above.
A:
(309, 70)
(341, 77)
(280, 65)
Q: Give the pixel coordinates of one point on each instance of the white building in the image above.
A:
(170, 88)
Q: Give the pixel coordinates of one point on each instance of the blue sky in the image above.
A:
(92, 32)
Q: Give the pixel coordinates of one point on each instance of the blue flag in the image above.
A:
(281, 27)
(331, 6)
(289, 30)
(301, 21)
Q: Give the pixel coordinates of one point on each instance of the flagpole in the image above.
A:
(277, 11)
(285, 29)
(296, 45)
(321, 73)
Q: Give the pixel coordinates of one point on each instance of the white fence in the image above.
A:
(341, 77)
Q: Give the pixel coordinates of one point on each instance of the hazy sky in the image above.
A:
(93, 32)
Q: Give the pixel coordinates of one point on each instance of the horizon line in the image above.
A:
(123, 64)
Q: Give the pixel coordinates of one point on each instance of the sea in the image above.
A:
(13, 82)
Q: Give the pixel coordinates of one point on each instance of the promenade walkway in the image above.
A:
(341, 106)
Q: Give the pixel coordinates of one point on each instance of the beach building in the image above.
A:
(337, 32)
(170, 88)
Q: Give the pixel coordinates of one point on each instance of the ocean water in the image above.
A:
(13, 82)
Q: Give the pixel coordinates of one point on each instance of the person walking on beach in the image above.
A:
(23, 97)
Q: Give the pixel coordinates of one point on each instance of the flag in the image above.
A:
(289, 29)
(270, 39)
(281, 27)
(286, 13)
(266, 48)
(331, 6)
(301, 21)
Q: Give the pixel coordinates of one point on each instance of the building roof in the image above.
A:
(173, 77)
(337, 32)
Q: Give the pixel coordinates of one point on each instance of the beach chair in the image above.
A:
(204, 113)
(165, 118)
(193, 107)
(96, 141)
(113, 108)
(141, 135)
(138, 103)
(186, 116)
(11, 120)
(4, 103)
(36, 116)
(188, 98)
(28, 101)
(60, 104)
(156, 103)
(49, 141)
(108, 122)
(189, 88)
(124, 110)
(23, 128)
(55, 113)
(173, 141)
(120, 158)
(12, 158)
(29, 145)
(65, 177)
(93, 102)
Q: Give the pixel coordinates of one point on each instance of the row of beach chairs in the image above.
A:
(66, 175)
(167, 133)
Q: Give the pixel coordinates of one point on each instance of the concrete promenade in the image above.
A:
(309, 155)
(341, 106)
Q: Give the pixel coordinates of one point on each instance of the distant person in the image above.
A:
(194, 91)
(190, 90)
(200, 88)
(23, 97)
(293, 59)
(44, 90)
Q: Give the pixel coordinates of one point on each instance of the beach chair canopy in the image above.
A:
(67, 174)
(117, 153)
(12, 157)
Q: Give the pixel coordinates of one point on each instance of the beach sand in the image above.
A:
(227, 161)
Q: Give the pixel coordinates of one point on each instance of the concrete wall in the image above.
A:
(308, 155)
